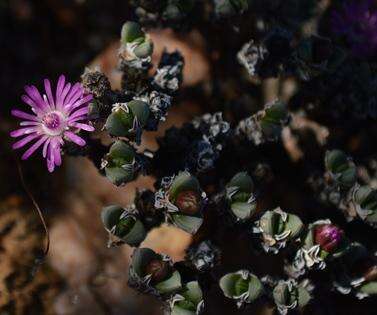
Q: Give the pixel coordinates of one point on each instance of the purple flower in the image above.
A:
(53, 120)
(328, 237)
(357, 22)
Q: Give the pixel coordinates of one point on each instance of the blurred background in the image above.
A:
(80, 275)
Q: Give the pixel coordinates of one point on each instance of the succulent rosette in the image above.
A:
(136, 46)
(128, 119)
(153, 273)
(119, 164)
(188, 301)
(357, 273)
(239, 193)
(277, 228)
(323, 240)
(267, 124)
(289, 295)
(364, 201)
(341, 170)
(123, 225)
(241, 286)
(183, 200)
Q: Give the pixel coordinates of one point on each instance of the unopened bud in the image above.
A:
(328, 236)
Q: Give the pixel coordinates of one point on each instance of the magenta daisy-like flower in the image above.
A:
(53, 120)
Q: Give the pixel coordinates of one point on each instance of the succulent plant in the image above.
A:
(289, 295)
(277, 228)
(341, 169)
(183, 200)
(136, 46)
(128, 119)
(241, 286)
(321, 242)
(153, 273)
(266, 125)
(120, 164)
(365, 204)
(189, 301)
(123, 226)
(239, 192)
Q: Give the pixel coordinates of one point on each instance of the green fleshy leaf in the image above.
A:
(241, 286)
(187, 223)
(275, 113)
(309, 238)
(130, 32)
(294, 224)
(144, 50)
(243, 210)
(243, 181)
(348, 177)
(369, 288)
(193, 292)
(119, 123)
(336, 161)
(170, 285)
(228, 283)
(140, 110)
(272, 223)
(120, 159)
(136, 235)
(110, 216)
(118, 175)
(255, 288)
(120, 153)
(303, 296)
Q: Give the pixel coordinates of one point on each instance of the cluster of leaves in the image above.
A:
(226, 181)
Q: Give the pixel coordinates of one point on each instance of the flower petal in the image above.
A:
(47, 84)
(64, 93)
(34, 106)
(80, 102)
(29, 123)
(45, 147)
(23, 141)
(23, 131)
(75, 93)
(34, 94)
(33, 148)
(57, 156)
(77, 113)
(59, 89)
(50, 161)
(85, 127)
(23, 115)
(75, 138)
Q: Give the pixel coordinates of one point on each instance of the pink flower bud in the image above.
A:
(328, 237)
